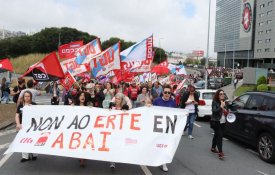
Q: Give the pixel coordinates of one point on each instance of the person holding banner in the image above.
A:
(190, 101)
(218, 120)
(119, 104)
(165, 101)
(27, 100)
(81, 100)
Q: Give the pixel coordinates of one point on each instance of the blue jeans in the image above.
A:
(190, 122)
(5, 97)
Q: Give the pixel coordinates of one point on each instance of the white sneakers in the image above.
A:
(190, 137)
(112, 164)
(164, 168)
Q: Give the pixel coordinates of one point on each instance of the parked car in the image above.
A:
(255, 122)
(200, 84)
(215, 83)
(205, 102)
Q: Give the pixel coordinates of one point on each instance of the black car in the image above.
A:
(255, 122)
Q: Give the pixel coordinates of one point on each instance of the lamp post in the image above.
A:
(160, 50)
(207, 51)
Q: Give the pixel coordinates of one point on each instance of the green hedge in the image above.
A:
(261, 80)
(262, 87)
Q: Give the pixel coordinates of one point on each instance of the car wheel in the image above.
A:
(266, 147)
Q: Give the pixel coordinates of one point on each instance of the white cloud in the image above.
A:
(128, 19)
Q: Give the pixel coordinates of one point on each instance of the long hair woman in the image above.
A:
(190, 101)
(119, 104)
(27, 100)
(81, 100)
(218, 120)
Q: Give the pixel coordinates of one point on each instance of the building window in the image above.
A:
(260, 41)
(267, 50)
(260, 32)
(261, 6)
(268, 31)
(269, 12)
(260, 50)
(269, 3)
(261, 23)
(269, 21)
(268, 40)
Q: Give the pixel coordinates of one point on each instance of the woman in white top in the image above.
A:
(190, 101)
(109, 93)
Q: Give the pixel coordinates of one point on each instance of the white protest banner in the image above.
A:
(143, 136)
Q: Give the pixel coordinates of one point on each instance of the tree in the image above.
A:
(203, 61)
(160, 55)
(123, 44)
(45, 41)
(189, 60)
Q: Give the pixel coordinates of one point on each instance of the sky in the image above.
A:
(177, 25)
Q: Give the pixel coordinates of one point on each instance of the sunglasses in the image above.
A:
(221, 93)
(167, 92)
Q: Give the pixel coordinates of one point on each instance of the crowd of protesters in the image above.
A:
(123, 96)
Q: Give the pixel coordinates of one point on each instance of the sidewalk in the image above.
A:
(229, 90)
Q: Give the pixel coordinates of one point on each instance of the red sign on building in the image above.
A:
(198, 53)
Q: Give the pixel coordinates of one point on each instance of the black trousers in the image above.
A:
(218, 134)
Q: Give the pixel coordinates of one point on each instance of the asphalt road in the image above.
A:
(193, 157)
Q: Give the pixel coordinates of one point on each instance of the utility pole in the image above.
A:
(207, 51)
(224, 55)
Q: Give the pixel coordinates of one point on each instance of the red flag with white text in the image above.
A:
(48, 69)
(67, 51)
(68, 81)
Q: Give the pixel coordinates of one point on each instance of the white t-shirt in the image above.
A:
(222, 120)
(190, 107)
(33, 91)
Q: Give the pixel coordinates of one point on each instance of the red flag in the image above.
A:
(5, 65)
(68, 81)
(121, 75)
(67, 51)
(159, 70)
(48, 69)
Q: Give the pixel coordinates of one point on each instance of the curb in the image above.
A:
(6, 124)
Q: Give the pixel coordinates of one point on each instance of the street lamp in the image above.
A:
(160, 50)
(207, 51)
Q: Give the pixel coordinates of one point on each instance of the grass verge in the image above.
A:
(22, 63)
(244, 88)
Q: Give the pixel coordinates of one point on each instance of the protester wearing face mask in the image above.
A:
(190, 101)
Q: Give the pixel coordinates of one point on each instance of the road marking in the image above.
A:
(7, 132)
(197, 125)
(4, 159)
(6, 145)
(260, 172)
(251, 151)
(145, 170)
